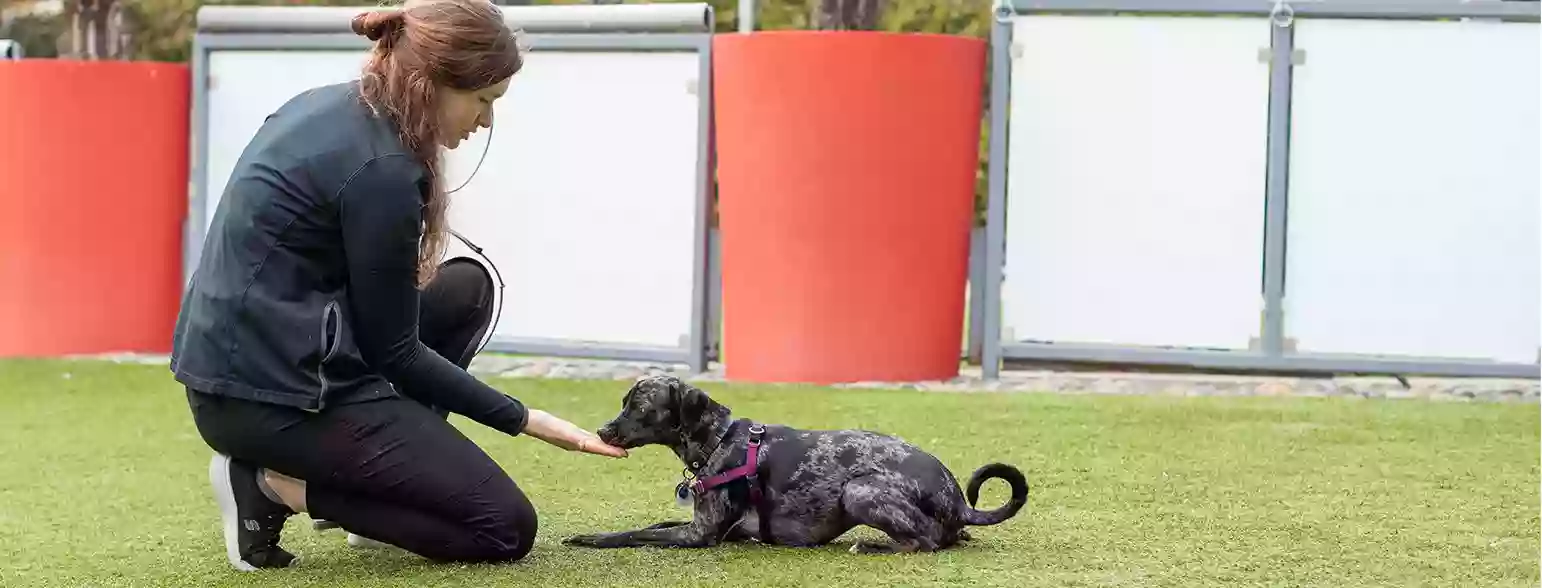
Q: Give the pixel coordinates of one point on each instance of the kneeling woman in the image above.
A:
(322, 343)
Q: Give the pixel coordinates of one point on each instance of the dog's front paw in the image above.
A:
(666, 525)
(583, 541)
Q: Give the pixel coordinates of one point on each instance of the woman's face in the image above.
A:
(462, 112)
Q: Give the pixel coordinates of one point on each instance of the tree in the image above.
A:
(847, 15)
(163, 29)
(94, 30)
(38, 34)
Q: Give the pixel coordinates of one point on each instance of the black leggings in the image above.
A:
(392, 470)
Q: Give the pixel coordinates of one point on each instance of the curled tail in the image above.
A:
(1006, 511)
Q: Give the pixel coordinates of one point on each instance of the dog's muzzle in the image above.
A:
(607, 435)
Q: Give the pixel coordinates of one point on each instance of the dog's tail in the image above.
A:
(1000, 471)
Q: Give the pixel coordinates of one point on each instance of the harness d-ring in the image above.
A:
(753, 476)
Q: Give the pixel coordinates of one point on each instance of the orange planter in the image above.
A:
(93, 190)
(846, 172)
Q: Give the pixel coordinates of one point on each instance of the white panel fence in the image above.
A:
(1325, 186)
(1414, 189)
(1133, 217)
(591, 202)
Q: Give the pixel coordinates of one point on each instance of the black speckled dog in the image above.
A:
(793, 487)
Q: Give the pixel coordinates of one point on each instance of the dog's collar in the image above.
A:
(695, 467)
(749, 469)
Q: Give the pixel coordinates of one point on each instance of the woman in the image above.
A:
(321, 341)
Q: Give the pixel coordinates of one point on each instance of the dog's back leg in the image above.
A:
(883, 503)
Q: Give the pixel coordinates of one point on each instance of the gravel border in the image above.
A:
(1040, 381)
(1066, 382)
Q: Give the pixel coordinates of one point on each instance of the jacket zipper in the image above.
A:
(329, 346)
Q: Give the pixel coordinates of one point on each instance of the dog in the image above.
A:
(792, 487)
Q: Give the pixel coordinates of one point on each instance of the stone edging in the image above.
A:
(1056, 382)
(1125, 383)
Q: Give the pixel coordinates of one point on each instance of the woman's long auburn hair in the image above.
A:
(420, 49)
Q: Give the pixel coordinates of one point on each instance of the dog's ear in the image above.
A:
(693, 401)
(626, 399)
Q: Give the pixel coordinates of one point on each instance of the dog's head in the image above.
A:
(660, 410)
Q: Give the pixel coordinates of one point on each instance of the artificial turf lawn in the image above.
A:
(102, 483)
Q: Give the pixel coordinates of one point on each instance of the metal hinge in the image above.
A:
(1297, 56)
(692, 86)
(1257, 344)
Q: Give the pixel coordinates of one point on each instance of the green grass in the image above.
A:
(102, 484)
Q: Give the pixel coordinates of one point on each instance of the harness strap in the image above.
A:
(744, 471)
(749, 471)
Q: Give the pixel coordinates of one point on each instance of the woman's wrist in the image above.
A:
(539, 425)
(547, 427)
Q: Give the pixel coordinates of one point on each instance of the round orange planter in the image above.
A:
(93, 190)
(846, 171)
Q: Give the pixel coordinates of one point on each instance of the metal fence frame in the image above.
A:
(559, 28)
(1271, 354)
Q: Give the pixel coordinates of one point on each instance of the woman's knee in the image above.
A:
(464, 284)
(510, 521)
(457, 310)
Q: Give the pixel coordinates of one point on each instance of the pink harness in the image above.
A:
(748, 471)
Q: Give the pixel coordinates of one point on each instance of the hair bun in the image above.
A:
(378, 24)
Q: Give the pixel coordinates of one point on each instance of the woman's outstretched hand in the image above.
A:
(593, 444)
(556, 431)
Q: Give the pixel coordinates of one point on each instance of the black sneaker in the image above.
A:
(252, 522)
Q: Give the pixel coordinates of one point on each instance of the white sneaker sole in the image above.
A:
(225, 497)
(355, 540)
(363, 542)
